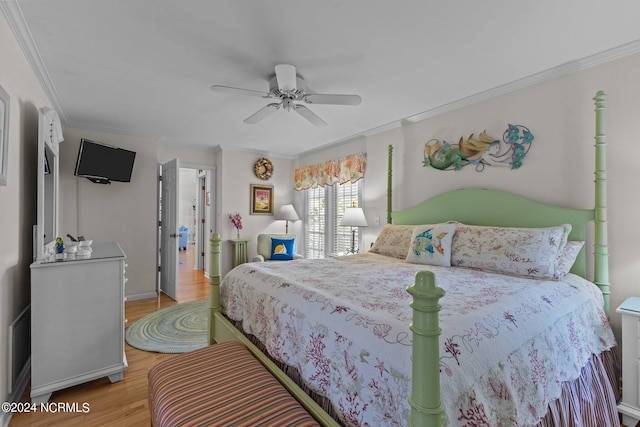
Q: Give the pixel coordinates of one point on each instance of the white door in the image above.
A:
(169, 229)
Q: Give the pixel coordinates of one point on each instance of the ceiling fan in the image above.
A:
(290, 89)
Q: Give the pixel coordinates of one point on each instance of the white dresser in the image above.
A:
(77, 320)
(629, 407)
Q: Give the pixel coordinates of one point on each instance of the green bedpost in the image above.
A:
(426, 406)
(214, 285)
(389, 183)
(601, 250)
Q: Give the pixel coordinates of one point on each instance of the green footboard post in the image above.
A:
(601, 250)
(389, 183)
(214, 285)
(426, 406)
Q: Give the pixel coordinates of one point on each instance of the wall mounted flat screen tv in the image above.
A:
(103, 163)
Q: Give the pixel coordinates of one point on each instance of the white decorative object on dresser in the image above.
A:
(77, 320)
(629, 407)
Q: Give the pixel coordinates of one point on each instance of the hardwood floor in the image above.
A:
(123, 403)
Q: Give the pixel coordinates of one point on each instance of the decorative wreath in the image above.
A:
(263, 168)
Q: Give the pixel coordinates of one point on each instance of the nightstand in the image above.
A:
(238, 251)
(629, 406)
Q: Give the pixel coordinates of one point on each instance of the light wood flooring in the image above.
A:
(123, 403)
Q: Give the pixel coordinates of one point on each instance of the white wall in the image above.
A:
(123, 212)
(18, 197)
(558, 169)
(188, 155)
(235, 176)
(559, 166)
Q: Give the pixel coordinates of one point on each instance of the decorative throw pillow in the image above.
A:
(567, 257)
(431, 244)
(283, 249)
(528, 252)
(393, 241)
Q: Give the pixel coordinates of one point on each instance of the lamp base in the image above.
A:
(353, 249)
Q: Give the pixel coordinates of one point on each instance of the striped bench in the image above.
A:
(220, 385)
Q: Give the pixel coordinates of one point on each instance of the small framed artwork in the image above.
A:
(4, 135)
(261, 199)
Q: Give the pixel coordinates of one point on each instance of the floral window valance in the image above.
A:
(339, 171)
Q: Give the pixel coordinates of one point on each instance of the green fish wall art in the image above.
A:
(481, 151)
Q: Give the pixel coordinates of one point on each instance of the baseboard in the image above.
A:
(147, 295)
(21, 385)
(5, 418)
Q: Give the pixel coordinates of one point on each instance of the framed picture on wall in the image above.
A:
(4, 135)
(261, 199)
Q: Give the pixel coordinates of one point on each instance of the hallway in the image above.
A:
(193, 285)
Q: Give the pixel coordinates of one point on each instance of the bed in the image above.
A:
(484, 335)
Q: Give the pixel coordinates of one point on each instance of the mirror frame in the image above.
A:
(4, 135)
(45, 245)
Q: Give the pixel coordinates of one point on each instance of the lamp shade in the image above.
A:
(288, 213)
(353, 217)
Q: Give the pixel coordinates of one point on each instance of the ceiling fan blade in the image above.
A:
(265, 111)
(309, 115)
(240, 91)
(286, 76)
(332, 99)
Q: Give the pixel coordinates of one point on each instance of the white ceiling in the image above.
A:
(144, 67)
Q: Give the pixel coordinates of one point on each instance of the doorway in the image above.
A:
(193, 212)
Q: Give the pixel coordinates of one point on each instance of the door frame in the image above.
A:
(201, 215)
(211, 210)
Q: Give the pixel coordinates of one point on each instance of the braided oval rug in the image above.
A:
(177, 329)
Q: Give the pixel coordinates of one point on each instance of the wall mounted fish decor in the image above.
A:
(481, 151)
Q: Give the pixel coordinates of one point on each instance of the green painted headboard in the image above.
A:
(475, 206)
(496, 208)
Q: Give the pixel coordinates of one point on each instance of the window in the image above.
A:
(315, 224)
(324, 209)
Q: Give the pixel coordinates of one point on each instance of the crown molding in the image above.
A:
(543, 76)
(15, 18)
(534, 79)
(229, 148)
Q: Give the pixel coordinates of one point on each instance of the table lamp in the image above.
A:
(353, 217)
(287, 213)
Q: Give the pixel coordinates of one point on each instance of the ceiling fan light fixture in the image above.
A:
(287, 104)
(288, 87)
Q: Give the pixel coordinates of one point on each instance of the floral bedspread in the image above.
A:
(506, 346)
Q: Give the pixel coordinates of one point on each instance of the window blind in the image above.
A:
(324, 209)
(346, 196)
(315, 223)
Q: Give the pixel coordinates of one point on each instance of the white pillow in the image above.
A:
(431, 244)
(529, 252)
(567, 257)
(393, 241)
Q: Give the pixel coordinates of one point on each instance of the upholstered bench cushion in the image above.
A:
(220, 385)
